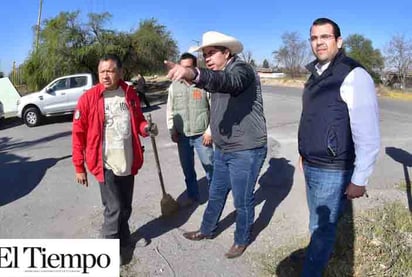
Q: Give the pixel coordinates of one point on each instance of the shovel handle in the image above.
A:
(159, 171)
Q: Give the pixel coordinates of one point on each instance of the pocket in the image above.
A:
(332, 142)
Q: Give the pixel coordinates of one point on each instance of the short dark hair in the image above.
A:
(188, 55)
(323, 21)
(112, 57)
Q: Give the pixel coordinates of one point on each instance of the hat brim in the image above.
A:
(235, 47)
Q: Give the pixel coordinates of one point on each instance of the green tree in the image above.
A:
(360, 48)
(265, 64)
(69, 46)
(153, 44)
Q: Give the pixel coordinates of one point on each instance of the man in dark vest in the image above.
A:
(338, 138)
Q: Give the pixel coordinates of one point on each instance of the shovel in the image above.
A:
(168, 205)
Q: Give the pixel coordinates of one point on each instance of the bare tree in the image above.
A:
(247, 56)
(293, 53)
(399, 57)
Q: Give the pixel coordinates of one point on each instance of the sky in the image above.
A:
(258, 24)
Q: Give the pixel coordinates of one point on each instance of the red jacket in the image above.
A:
(87, 137)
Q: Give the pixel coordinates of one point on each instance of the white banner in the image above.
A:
(59, 257)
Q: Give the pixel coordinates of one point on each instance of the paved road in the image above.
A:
(39, 198)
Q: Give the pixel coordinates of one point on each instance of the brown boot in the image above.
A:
(235, 251)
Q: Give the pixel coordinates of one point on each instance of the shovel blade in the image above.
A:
(168, 205)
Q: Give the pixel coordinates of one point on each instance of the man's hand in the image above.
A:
(354, 191)
(174, 137)
(81, 178)
(178, 72)
(152, 129)
(207, 139)
(300, 163)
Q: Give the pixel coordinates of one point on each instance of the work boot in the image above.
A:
(235, 251)
(196, 235)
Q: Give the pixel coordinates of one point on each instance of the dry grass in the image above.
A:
(393, 93)
(298, 83)
(377, 242)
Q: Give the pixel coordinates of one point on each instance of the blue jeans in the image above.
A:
(237, 171)
(325, 190)
(186, 146)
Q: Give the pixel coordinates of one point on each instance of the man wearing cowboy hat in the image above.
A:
(238, 129)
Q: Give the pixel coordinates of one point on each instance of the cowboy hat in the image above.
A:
(213, 38)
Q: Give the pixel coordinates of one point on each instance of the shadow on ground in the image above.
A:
(11, 122)
(274, 185)
(161, 225)
(341, 262)
(18, 176)
(405, 159)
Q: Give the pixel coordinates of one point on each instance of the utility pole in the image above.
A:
(38, 24)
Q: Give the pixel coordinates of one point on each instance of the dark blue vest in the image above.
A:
(325, 138)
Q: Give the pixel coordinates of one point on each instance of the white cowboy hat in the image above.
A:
(213, 38)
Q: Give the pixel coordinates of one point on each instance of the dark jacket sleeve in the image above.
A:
(234, 79)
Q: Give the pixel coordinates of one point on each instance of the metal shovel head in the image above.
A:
(168, 205)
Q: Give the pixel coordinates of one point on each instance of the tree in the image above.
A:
(360, 49)
(265, 64)
(252, 63)
(69, 46)
(292, 54)
(399, 57)
(247, 57)
(153, 44)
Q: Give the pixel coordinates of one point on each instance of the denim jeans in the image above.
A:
(325, 190)
(237, 171)
(186, 146)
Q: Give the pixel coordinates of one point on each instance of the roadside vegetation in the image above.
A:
(376, 242)
(395, 93)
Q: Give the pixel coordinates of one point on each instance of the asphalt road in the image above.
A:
(39, 198)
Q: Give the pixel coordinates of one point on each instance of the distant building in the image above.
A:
(269, 73)
(391, 79)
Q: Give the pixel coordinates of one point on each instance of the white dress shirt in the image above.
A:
(359, 94)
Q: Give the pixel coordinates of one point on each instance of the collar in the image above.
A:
(320, 68)
(100, 87)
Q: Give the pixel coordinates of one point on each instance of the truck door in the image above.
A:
(55, 96)
(78, 85)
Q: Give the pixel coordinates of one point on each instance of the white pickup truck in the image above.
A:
(57, 98)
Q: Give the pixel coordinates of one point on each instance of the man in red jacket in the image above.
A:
(106, 127)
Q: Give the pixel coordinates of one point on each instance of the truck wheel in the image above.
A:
(32, 117)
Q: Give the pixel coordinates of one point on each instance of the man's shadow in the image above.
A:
(18, 176)
(405, 158)
(162, 225)
(341, 262)
(275, 185)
